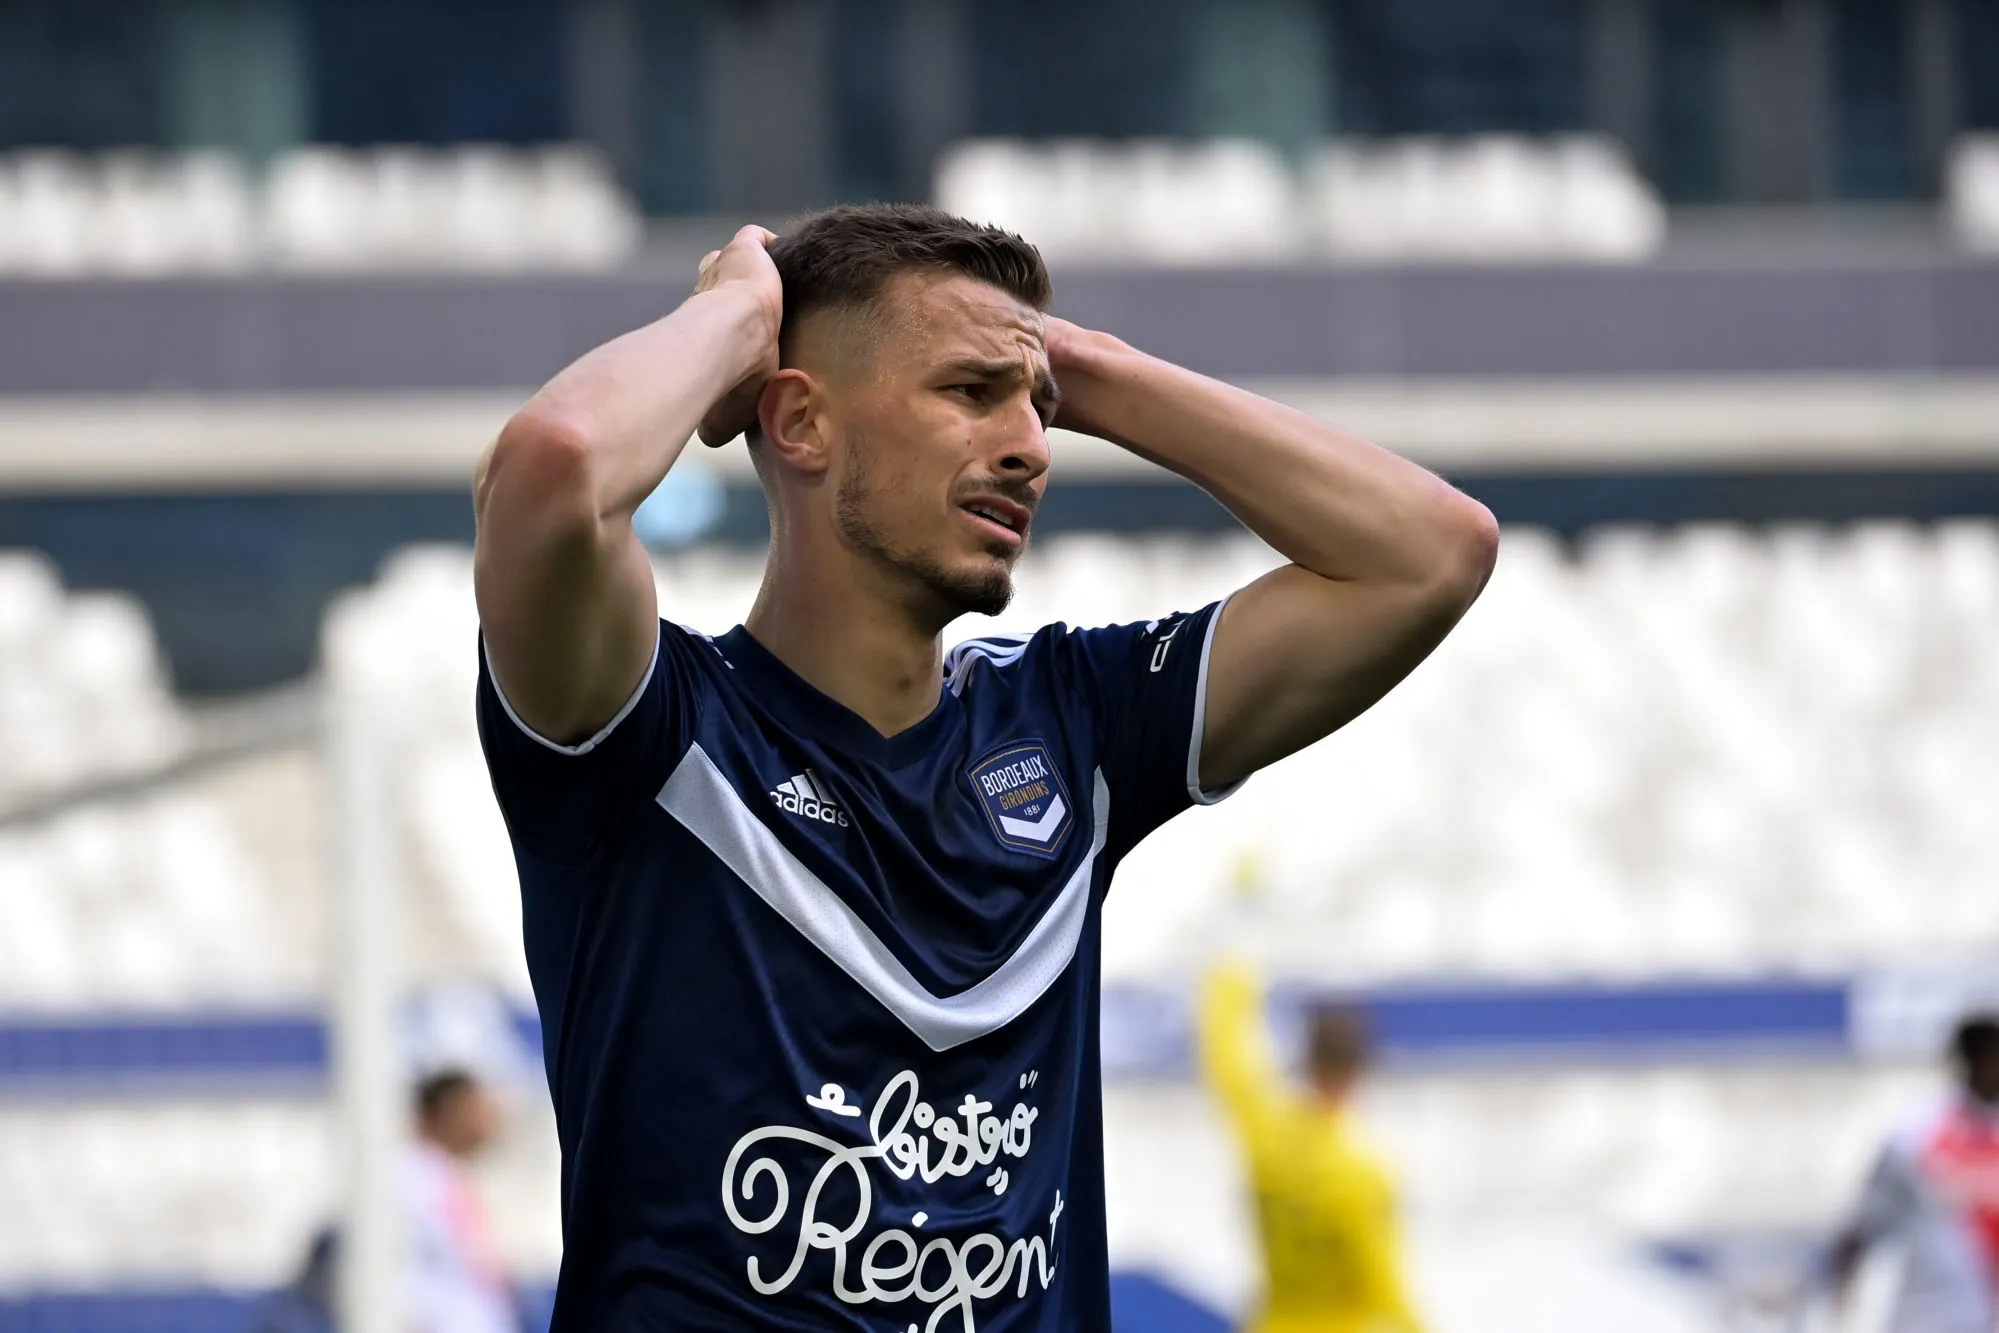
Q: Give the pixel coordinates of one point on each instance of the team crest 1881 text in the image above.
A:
(1024, 799)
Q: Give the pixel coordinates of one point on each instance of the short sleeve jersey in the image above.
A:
(1930, 1199)
(820, 1007)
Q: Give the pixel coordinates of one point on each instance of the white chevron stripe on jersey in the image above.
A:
(999, 649)
(1039, 830)
(700, 797)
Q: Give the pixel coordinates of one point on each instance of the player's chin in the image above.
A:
(982, 586)
(996, 565)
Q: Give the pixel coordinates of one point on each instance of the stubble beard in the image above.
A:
(983, 592)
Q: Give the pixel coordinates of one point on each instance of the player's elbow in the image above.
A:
(543, 454)
(1467, 548)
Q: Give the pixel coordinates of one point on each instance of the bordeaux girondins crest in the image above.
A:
(1023, 796)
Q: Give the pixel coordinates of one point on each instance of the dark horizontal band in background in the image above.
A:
(273, 333)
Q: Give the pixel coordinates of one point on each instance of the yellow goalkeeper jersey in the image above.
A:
(1325, 1203)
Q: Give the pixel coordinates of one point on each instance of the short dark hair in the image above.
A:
(1337, 1041)
(437, 1091)
(842, 257)
(1976, 1039)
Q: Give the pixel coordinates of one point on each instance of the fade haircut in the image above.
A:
(842, 258)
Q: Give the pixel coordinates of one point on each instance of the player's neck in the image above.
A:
(850, 641)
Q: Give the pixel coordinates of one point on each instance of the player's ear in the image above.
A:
(791, 410)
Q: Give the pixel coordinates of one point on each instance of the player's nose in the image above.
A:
(1023, 450)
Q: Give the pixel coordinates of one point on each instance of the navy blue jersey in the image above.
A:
(820, 1006)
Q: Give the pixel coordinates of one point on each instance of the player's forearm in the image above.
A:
(627, 409)
(1328, 501)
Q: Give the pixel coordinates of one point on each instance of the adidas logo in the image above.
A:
(805, 796)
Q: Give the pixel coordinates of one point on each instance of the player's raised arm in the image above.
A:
(566, 600)
(1385, 556)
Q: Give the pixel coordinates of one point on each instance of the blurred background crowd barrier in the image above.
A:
(1660, 884)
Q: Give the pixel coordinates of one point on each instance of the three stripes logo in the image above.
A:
(805, 795)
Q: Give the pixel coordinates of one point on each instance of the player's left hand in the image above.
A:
(1078, 357)
(745, 265)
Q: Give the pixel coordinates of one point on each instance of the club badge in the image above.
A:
(1023, 796)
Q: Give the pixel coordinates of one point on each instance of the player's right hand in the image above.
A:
(744, 264)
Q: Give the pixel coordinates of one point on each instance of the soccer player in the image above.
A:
(812, 908)
(1933, 1198)
(1325, 1203)
(455, 1281)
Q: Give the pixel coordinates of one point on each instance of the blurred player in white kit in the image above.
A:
(1932, 1200)
(455, 1281)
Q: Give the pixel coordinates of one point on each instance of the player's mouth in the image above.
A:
(1002, 520)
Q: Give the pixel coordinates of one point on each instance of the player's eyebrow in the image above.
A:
(1047, 393)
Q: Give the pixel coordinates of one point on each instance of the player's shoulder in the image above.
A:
(1003, 658)
(993, 652)
(693, 647)
(1065, 649)
(1919, 1124)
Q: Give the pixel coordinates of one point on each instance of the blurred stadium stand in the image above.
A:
(1233, 201)
(1660, 882)
(1718, 745)
(236, 449)
(136, 213)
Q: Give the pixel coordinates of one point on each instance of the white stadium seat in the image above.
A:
(319, 207)
(1706, 751)
(1494, 198)
(1702, 751)
(1971, 191)
(215, 1193)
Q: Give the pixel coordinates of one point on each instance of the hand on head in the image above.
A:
(745, 264)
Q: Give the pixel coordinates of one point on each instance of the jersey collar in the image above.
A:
(826, 719)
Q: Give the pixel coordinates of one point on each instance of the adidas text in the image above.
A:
(801, 796)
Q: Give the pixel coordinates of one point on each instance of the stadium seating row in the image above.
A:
(84, 694)
(223, 1193)
(1705, 751)
(477, 207)
(227, 1193)
(180, 1193)
(1972, 189)
(1537, 1155)
(148, 904)
(1491, 198)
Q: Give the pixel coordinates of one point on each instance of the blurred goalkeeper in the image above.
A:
(1325, 1203)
